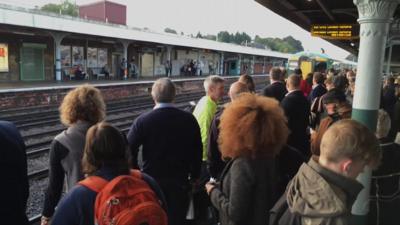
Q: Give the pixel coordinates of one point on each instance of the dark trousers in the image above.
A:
(177, 196)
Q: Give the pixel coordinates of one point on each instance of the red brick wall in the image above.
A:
(116, 13)
(95, 11)
(110, 93)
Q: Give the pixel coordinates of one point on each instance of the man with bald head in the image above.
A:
(215, 165)
(297, 111)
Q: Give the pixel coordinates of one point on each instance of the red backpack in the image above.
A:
(125, 200)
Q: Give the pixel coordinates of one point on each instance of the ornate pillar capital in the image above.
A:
(376, 11)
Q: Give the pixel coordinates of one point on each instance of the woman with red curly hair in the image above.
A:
(253, 131)
(81, 108)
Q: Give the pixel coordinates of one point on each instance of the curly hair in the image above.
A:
(253, 126)
(82, 103)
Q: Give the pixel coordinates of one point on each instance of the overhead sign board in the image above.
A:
(335, 31)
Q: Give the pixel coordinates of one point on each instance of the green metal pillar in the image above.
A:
(374, 18)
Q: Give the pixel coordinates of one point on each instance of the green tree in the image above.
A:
(287, 44)
(241, 38)
(66, 8)
(169, 30)
(224, 36)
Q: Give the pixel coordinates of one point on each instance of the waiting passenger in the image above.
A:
(386, 182)
(318, 88)
(253, 131)
(297, 111)
(337, 108)
(306, 85)
(389, 103)
(248, 80)
(14, 177)
(79, 74)
(276, 89)
(215, 163)
(106, 156)
(81, 108)
(207, 107)
(204, 112)
(341, 83)
(171, 147)
(324, 189)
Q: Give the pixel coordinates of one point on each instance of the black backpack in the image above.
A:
(281, 215)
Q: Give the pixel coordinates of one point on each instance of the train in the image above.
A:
(310, 62)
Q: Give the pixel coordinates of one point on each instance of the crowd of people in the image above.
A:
(289, 155)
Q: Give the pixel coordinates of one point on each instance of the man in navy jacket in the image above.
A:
(276, 89)
(297, 111)
(13, 169)
(171, 148)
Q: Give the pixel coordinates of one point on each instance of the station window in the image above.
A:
(65, 56)
(92, 57)
(102, 57)
(77, 55)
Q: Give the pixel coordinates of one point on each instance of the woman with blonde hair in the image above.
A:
(81, 108)
(253, 131)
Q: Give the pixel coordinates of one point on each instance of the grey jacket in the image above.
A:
(74, 140)
(247, 191)
(320, 196)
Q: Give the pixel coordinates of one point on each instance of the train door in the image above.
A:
(306, 68)
(32, 62)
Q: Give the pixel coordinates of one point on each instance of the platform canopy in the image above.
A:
(306, 13)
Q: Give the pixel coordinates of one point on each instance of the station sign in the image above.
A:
(3, 57)
(335, 31)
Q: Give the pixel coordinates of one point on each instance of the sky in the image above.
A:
(209, 17)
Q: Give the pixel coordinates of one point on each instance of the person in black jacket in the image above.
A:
(215, 164)
(318, 86)
(297, 111)
(14, 178)
(276, 89)
(81, 108)
(171, 148)
(385, 182)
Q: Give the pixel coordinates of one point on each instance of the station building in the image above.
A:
(41, 46)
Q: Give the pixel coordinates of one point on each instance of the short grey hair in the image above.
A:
(212, 80)
(383, 124)
(163, 91)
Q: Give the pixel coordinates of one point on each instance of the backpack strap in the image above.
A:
(94, 183)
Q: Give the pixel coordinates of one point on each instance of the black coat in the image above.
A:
(275, 90)
(13, 169)
(171, 142)
(317, 91)
(215, 164)
(297, 111)
(247, 192)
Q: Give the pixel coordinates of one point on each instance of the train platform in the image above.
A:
(37, 94)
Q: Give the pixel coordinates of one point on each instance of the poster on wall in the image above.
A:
(3, 57)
